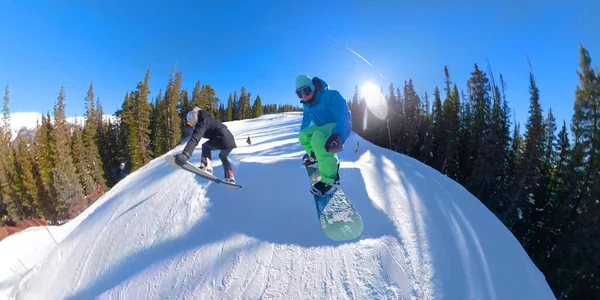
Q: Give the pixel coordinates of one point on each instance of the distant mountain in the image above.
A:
(26, 122)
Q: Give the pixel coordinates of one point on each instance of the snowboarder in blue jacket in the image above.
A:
(331, 125)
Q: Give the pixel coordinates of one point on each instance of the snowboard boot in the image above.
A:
(206, 165)
(322, 189)
(309, 161)
(229, 177)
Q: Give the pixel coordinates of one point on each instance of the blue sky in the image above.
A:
(263, 45)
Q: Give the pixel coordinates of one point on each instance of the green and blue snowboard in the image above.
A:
(338, 218)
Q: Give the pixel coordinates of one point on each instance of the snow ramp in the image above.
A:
(163, 233)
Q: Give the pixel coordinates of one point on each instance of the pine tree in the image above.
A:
(465, 137)
(446, 120)
(9, 182)
(410, 120)
(92, 162)
(529, 174)
(563, 150)
(213, 100)
(587, 116)
(160, 126)
(561, 222)
(481, 146)
(99, 118)
(221, 112)
(16, 207)
(235, 108)
(65, 188)
(129, 134)
(229, 111)
(424, 141)
(80, 157)
(357, 113)
(27, 184)
(38, 198)
(197, 100)
(249, 110)
(209, 97)
(401, 130)
(541, 235)
(45, 157)
(90, 130)
(5, 138)
(115, 152)
(257, 107)
(154, 114)
(173, 127)
(426, 138)
(439, 135)
(184, 107)
(451, 121)
(142, 111)
(243, 104)
(549, 140)
(505, 142)
(578, 255)
(102, 147)
(498, 152)
(6, 130)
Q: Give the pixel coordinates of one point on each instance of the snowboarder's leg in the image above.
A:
(227, 165)
(305, 137)
(206, 159)
(328, 162)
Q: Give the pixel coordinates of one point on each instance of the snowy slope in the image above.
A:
(164, 233)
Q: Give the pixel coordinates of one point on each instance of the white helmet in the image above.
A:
(192, 116)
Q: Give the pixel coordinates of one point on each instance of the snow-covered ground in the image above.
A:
(163, 233)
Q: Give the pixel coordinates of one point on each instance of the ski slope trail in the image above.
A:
(163, 233)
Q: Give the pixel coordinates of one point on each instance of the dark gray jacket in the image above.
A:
(219, 137)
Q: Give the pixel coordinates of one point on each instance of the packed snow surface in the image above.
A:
(163, 233)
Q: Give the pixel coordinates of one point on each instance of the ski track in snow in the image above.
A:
(162, 233)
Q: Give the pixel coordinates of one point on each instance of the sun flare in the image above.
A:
(375, 99)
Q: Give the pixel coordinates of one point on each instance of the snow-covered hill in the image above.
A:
(29, 120)
(162, 233)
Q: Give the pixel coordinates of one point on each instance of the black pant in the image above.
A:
(207, 148)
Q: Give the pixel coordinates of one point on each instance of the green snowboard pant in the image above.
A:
(313, 139)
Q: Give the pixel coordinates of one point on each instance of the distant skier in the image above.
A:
(122, 170)
(219, 138)
(332, 123)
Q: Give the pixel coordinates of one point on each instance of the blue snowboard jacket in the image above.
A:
(328, 107)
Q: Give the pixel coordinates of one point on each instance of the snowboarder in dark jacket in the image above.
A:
(219, 138)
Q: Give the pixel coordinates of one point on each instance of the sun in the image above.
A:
(369, 90)
(375, 99)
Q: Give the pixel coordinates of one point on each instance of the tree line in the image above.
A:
(61, 168)
(544, 185)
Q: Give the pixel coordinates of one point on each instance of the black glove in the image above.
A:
(334, 144)
(309, 160)
(182, 158)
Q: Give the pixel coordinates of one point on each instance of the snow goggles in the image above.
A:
(303, 91)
